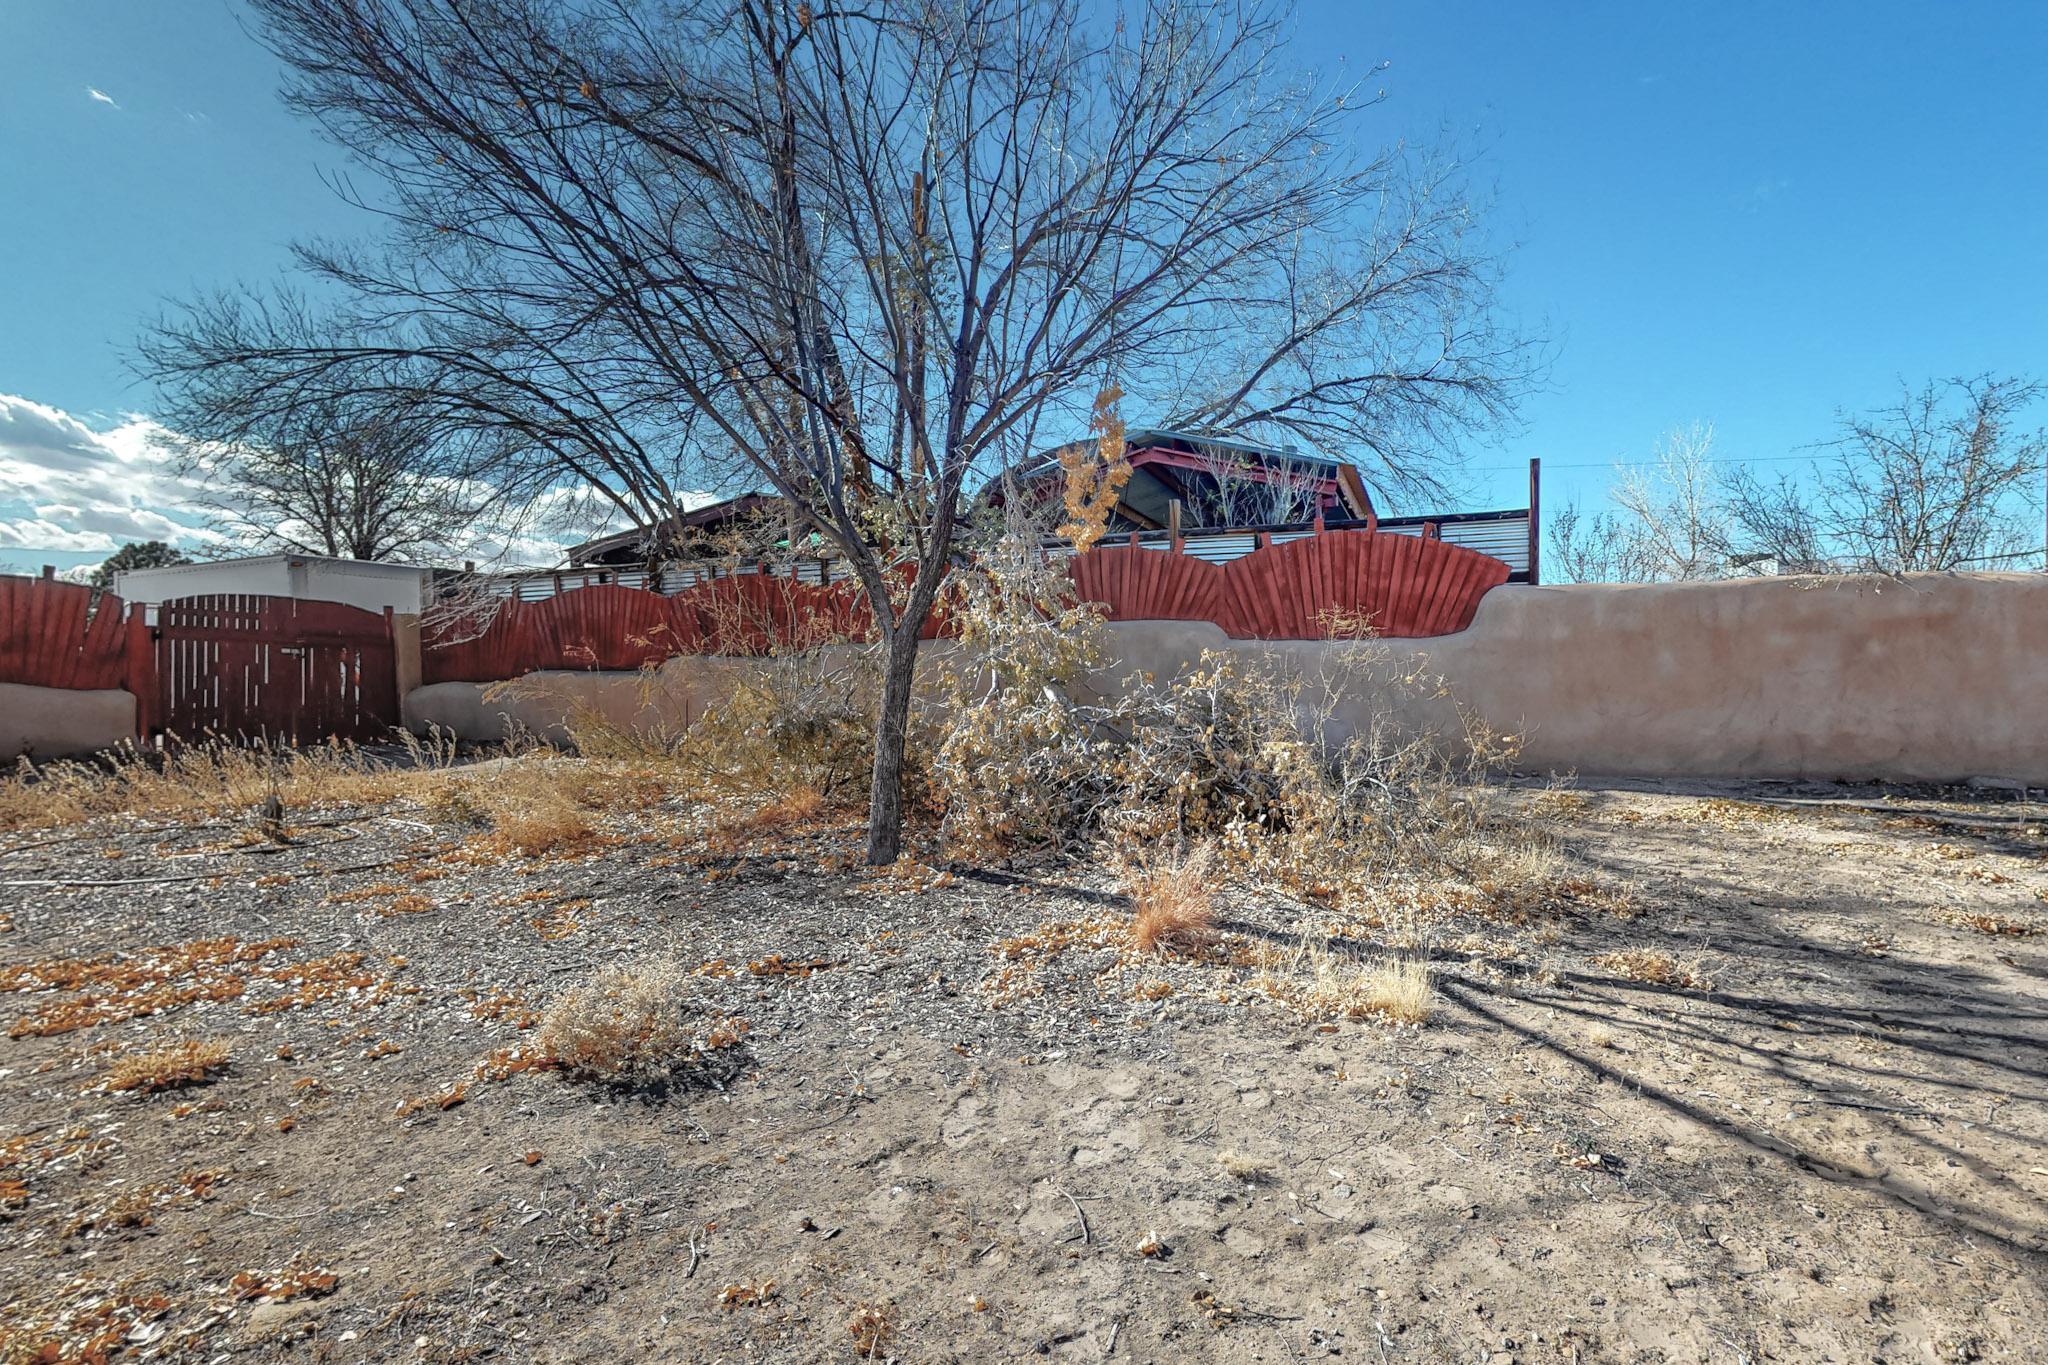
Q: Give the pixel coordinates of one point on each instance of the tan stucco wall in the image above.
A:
(1930, 677)
(53, 722)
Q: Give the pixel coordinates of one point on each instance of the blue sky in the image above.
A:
(1745, 214)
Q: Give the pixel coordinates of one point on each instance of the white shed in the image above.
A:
(314, 578)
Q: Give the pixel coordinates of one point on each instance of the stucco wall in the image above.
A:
(1930, 677)
(53, 722)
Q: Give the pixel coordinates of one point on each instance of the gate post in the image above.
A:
(139, 673)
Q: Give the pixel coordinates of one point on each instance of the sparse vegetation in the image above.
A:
(1238, 1166)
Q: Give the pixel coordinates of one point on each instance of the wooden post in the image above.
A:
(49, 572)
(139, 673)
(1173, 523)
(1535, 515)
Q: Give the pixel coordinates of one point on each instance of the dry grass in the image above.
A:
(1654, 967)
(795, 809)
(211, 779)
(799, 807)
(630, 1025)
(1318, 985)
(545, 804)
(1398, 990)
(1174, 900)
(168, 1068)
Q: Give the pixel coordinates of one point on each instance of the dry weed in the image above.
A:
(168, 1068)
(632, 1026)
(872, 1327)
(1237, 1166)
(1992, 923)
(1654, 967)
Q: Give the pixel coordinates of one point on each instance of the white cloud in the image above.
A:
(25, 533)
(101, 97)
(68, 486)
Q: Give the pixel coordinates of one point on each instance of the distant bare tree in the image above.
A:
(1678, 525)
(855, 254)
(1937, 480)
(1275, 491)
(361, 475)
(1600, 548)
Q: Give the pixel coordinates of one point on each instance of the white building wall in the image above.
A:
(373, 587)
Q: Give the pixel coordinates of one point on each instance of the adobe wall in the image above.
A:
(1929, 677)
(55, 722)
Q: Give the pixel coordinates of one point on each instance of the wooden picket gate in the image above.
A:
(252, 668)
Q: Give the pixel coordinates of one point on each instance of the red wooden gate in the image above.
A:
(277, 668)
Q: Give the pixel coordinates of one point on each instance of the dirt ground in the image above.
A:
(963, 1124)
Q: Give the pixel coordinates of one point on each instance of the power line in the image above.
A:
(1633, 464)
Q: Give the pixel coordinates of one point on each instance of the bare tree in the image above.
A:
(856, 254)
(352, 475)
(1272, 492)
(1678, 523)
(1596, 548)
(1937, 480)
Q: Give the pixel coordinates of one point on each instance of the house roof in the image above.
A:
(634, 542)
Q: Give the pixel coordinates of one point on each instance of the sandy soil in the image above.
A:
(1826, 1142)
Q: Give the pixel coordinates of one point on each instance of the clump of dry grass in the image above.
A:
(1654, 967)
(544, 822)
(1238, 1166)
(543, 803)
(172, 1067)
(799, 807)
(632, 1025)
(1399, 990)
(1174, 900)
(1318, 985)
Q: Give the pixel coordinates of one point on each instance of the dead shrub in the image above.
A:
(633, 1026)
(1173, 900)
(168, 1068)
(799, 719)
(872, 1327)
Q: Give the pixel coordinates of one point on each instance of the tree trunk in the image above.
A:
(885, 794)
